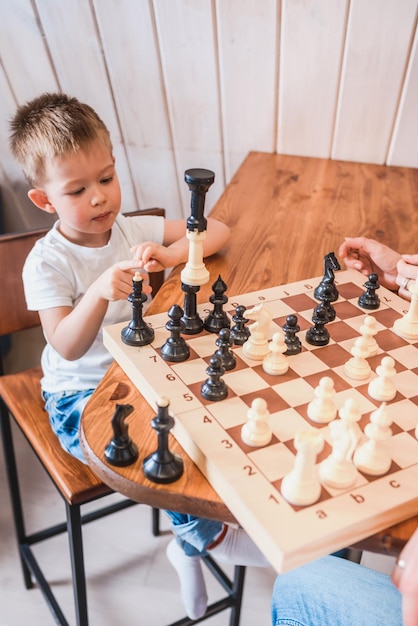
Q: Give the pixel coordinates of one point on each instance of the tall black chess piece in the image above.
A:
(162, 466)
(121, 450)
(331, 264)
(369, 299)
(138, 332)
(193, 323)
(217, 318)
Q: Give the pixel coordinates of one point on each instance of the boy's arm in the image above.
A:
(175, 248)
(72, 331)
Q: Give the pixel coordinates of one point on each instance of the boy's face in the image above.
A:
(83, 189)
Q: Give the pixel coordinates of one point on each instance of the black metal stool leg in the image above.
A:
(77, 563)
(237, 592)
(14, 489)
(155, 522)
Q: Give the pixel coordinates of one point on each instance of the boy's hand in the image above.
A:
(154, 257)
(116, 282)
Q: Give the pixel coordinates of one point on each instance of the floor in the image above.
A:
(130, 581)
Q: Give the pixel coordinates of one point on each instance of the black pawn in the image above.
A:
(162, 466)
(224, 351)
(138, 332)
(326, 297)
(290, 328)
(214, 387)
(193, 324)
(121, 450)
(369, 299)
(239, 331)
(217, 318)
(175, 348)
(318, 335)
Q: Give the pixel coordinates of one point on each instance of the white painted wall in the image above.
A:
(200, 83)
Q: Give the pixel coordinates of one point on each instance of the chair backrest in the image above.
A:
(14, 249)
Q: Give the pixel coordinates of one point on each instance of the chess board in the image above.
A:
(249, 479)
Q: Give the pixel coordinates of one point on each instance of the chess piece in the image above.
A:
(373, 457)
(121, 450)
(301, 486)
(326, 295)
(407, 326)
(198, 180)
(175, 348)
(214, 387)
(276, 363)
(256, 431)
(193, 324)
(382, 387)
(162, 466)
(331, 264)
(224, 351)
(368, 329)
(318, 335)
(217, 318)
(290, 328)
(322, 409)
(357, 367)
(239, 331)
(369, 299)
(138, 332)
(256, 347)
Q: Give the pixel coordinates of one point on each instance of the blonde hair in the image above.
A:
(52, 125)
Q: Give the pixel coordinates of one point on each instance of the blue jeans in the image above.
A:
(335, 592)
(193, 533)
(65, 409)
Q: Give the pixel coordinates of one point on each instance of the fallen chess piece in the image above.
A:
(256, 431)
(121, 450)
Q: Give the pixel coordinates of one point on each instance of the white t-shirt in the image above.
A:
(58, 272)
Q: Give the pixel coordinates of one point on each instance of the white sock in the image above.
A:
(237, 548)
(192, 583)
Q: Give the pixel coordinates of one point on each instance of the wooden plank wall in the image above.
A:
(200, 83)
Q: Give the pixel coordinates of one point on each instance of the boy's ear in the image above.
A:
(40, 199)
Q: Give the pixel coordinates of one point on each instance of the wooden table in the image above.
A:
(285, 213)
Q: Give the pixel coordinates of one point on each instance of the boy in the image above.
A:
(78, 278)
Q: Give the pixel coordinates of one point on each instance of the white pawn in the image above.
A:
(276, 363)
(373, 457)
(357, 367)
(368, 329)
(407, 326)
(256, 431)
(322, 409)
(382, 387)
(338, 470)
(301, 486)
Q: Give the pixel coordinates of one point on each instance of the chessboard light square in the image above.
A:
(406, 383)
(306, 363)
(286, 424)
(190, 372)
(230, 412)
(365, 405)
(407, 355)
(244, 381)
(404, 450)
(273, 461)
(404, 414)
(295, 392)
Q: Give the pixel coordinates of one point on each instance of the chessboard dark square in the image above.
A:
(340, 331)
(333, 355)
(345, 310)
(375, 361)
(195, 388)
(387, 340)
(386, 316)
(275, 402)
(339, 383)
(273, 380)
(349, 290)
(300, 302)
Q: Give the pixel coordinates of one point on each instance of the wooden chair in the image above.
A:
(20, 398)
